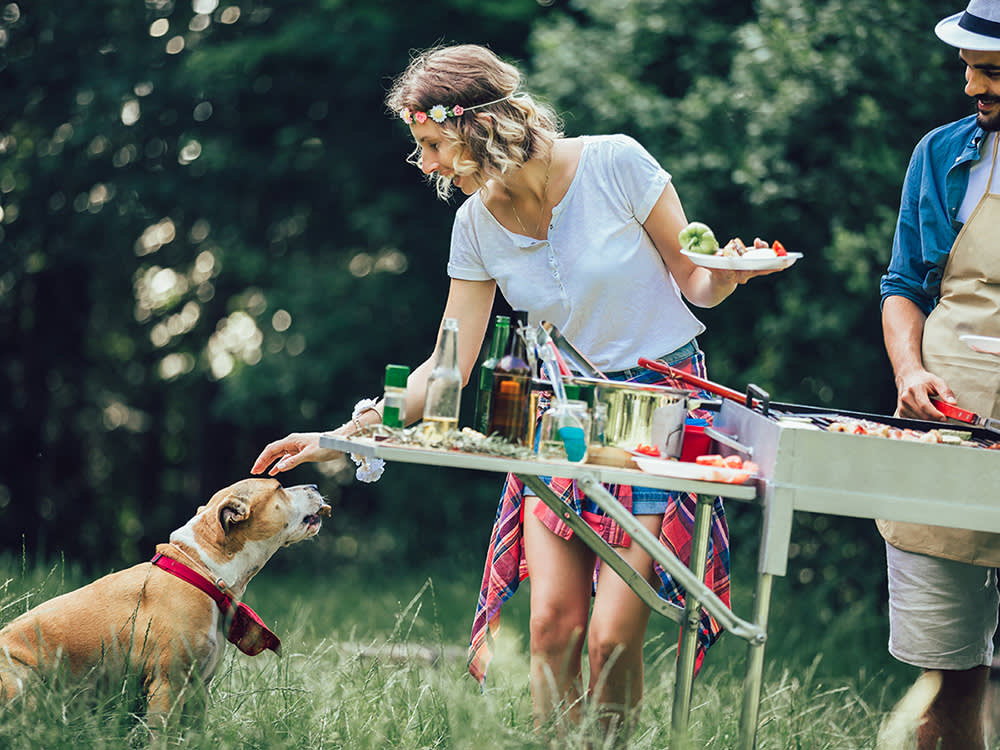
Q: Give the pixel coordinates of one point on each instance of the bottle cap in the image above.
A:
(572, 391)
(396, 375)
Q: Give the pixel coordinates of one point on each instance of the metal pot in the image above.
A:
(638, 413)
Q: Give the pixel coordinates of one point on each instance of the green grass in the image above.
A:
(341, 683)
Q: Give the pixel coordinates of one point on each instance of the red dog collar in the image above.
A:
(246, 629)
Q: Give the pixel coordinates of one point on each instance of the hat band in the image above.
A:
(978, 25)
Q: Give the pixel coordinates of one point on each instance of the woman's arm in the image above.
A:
(703, 287)
(470, 302)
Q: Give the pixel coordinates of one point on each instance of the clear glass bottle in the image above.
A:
(444, 385)
(394, 397)
(512, 387)
(484, 394)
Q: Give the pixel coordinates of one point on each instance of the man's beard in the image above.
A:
(989, 123)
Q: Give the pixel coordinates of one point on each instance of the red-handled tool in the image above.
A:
(708, 385)
(964, 415)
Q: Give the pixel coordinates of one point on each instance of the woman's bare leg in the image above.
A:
(561, 573)
(615, 639)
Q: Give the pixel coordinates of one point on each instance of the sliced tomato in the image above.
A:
(733, 462)
(648, 450)
(778, 248)
(713, 459)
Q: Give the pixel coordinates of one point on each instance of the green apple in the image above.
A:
(698, 238)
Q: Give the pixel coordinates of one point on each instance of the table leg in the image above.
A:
(688, 648)
(752, 681)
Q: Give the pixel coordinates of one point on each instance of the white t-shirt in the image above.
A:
(978, 174)
(598, 277)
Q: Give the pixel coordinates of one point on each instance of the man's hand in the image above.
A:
(915, 390)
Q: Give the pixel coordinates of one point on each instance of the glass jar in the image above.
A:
(564, 432)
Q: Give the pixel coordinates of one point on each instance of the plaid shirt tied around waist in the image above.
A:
(506, 567)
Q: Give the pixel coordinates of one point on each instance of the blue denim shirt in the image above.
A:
(933, 190)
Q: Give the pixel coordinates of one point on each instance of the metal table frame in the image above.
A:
(590, 478)
(901, 485)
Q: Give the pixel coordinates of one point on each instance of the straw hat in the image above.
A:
(977, 28)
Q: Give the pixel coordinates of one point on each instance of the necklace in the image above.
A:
(541, 209)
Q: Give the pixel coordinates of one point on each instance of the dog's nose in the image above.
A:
(324, 510)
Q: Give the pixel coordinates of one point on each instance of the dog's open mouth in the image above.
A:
(314, 520)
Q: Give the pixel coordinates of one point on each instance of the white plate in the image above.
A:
(689, 470)
(985, 344)
(742, 264)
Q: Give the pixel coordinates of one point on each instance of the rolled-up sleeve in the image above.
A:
(924, 235)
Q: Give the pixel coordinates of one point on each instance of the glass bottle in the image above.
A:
(394, 398)
(484, 394)
(512, 387)
(444, 384)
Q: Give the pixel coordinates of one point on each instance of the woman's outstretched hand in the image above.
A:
(292, 450)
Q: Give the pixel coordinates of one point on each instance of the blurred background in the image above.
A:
(209, 238)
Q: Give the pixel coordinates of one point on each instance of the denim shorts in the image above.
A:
(677, 355)
(942, 613)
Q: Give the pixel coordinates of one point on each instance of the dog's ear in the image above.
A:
(233, 510)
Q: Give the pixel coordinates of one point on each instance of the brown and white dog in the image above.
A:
(149, 621)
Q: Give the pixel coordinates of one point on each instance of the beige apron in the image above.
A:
(969, 303)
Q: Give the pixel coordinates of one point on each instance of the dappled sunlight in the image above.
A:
(159, 28)
(176, 364)
(155, 236)
(176, 325)
(118, 415)
(237, 337)
(189, 152)
(389, 260)
(131, 112)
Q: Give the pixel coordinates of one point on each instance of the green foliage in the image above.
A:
(210, 237)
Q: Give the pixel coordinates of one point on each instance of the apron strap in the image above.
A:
(993, 166)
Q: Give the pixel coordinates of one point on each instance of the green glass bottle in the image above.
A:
(394, 400)
(484, 394)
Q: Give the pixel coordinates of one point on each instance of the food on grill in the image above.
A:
(878, 429)
(698, 238)
(744, 469)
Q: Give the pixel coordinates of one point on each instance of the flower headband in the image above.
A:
(439, 113)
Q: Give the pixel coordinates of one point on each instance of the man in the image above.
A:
(944, 280)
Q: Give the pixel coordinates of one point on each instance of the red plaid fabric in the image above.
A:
(506, 567)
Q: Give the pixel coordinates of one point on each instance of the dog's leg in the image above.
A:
(899, 729)
(11, 686)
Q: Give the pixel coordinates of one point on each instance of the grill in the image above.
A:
(805, 466)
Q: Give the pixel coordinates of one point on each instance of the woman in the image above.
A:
(582, 232)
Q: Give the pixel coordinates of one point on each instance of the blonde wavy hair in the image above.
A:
(516, 129)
